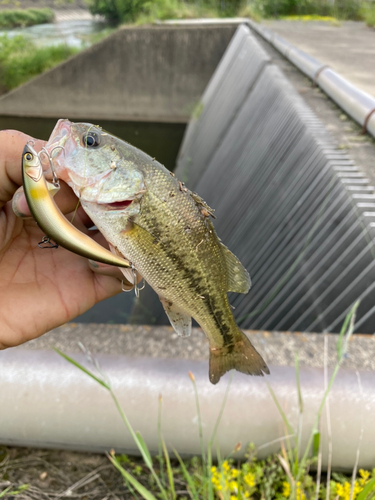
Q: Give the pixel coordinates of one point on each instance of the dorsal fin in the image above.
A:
(238, 278)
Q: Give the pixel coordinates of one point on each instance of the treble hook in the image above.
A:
(55, 179)
(47, 243)
(135, 286)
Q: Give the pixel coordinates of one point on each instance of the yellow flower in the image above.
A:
(232, 497)
(343, 491)
(364, 476)
(250, 479)
(246, 494)
(226, 466)
(286, 489)
(299, 492)
(233, 486)
(213, 469)
(235, 473)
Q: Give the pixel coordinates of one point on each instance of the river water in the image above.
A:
(73, 32)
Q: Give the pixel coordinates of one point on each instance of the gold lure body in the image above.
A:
(39, 195)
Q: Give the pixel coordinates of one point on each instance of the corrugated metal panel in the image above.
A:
(288, 203)
(241, 65)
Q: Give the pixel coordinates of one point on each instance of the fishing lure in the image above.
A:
(39, 195)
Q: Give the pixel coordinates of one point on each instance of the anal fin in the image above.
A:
(180, 321)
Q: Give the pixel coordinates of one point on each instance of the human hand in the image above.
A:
(41, 289)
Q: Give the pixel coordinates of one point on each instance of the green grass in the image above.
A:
(368, 14)
(286, 475)
(21, 60)
(25, 17)
(147, 11)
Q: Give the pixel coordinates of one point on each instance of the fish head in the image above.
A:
(31, 165)
(89, 160)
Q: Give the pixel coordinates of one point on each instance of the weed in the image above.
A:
(25, 17)
(309, 9)
(144, 11)
(368, 13)
(21, 60)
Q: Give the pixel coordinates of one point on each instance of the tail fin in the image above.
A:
(242, 356)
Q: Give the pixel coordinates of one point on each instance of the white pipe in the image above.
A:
(358, 104)
(355, 102)
(46, 402)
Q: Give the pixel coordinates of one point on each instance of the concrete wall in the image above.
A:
(145, 74)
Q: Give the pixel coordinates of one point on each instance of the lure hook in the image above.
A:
(137, 289)
(47, 243)
(135, 286)
(55, 179)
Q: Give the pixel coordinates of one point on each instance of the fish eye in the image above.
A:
(28, 156)
(91, 140)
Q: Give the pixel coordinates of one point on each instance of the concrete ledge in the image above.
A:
(152, 74)
(278, 348)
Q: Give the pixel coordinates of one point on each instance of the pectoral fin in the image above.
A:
(238, 278)
(180, 321)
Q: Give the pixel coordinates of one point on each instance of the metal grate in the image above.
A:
(295, 209)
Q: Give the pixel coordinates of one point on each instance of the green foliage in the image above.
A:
(347, 9)
(118, 11)
(368, 13)
(26, 17)
(340, 9)
(128, 11)
(9, 492)
(21, 60)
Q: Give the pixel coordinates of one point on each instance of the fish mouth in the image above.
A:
(117, 205)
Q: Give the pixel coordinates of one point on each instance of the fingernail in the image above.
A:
(16, 202)
(93, 263)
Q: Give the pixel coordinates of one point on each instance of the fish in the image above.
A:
(39, 196)
(165, 230)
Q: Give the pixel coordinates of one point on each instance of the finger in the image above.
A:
(65, 200)
(84, 218)
(19, 204)
(12, 143)
(112, 271)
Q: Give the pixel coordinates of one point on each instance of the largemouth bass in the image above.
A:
(151, 219)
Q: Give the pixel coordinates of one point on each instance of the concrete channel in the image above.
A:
(294, 207)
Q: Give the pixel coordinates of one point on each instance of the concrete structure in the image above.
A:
(348, 48)
(155, 74)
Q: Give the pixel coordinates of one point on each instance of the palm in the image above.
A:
(41, 289)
